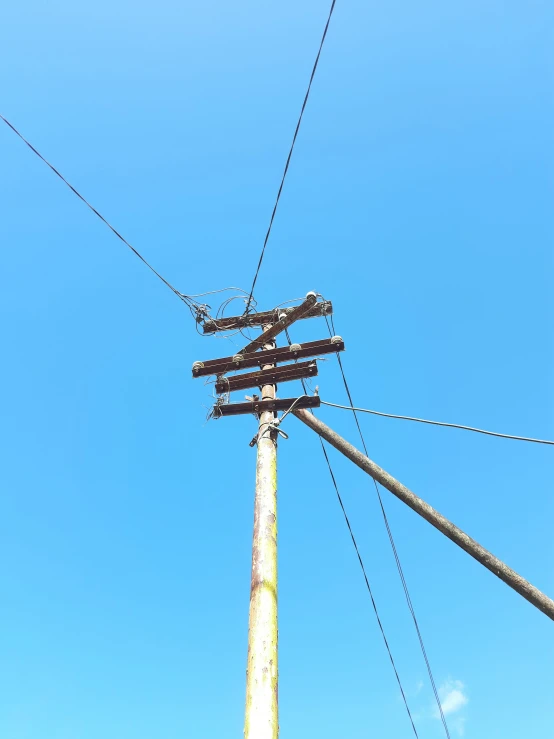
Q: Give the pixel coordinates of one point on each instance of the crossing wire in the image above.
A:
(289, 158)
(360, 560)
(393, 545)
(440, 423)
(368, 586)
(192, 304)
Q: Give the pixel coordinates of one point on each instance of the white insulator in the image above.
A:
(336, 340)
(311, 296)
(197, 366)
(237, 359)
(295, 347)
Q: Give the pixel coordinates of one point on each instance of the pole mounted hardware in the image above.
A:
(260, 406)
(268, 356)
(266, 377)
(320, 309)
(262, 353)
(286, 319)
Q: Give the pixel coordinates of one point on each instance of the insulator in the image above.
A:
(336, 340)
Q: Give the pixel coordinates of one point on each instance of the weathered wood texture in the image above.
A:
(469, 545)
(287, 319)
(261, 716)
(256, 359)
(260, 406)
(323, 308)
(273, 375)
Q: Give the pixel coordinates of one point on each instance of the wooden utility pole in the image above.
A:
(446, 527)
(262, 717)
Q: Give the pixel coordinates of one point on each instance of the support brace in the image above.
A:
(469, 545)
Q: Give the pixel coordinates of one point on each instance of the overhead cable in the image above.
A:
(360, 560)
(440, 423)
(289, 157)
(368, 587)
(393, 546)
(195, 307)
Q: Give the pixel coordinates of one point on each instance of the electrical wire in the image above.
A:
(220, 314)
(196, 308)
(360, 560)
(440, 423)
(368, 586)
(275, 424)
(223, 289)
(289, 156)
(393, 546)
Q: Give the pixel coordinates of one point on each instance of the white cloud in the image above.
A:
(453, 698)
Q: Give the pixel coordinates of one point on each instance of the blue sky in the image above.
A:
(419, 199)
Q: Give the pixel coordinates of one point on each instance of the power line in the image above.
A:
(289, 156)
(195, 307)
(393, 546)
(440, 423)
(368, 586)
(360, 560)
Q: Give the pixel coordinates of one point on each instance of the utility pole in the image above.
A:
(261, 715)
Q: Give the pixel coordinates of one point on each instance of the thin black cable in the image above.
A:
(393, 546)
(184, 298)
(441, 423)
(368, 585)
(374, 604)
(289, 156)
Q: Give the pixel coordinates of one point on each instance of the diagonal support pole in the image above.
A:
(469, 545)
(273, 330)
